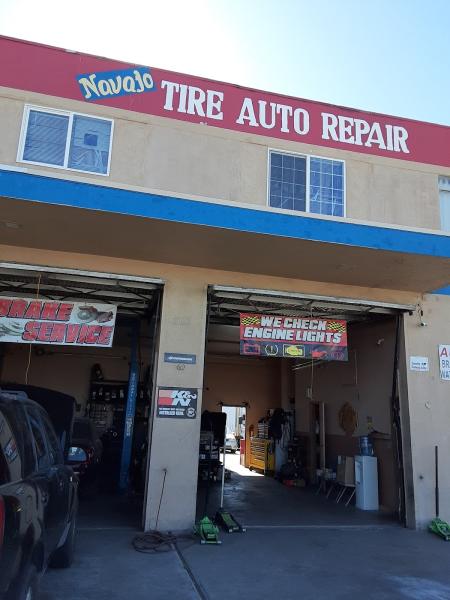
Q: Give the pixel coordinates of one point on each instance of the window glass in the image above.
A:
(54, 447)
(89, 144)
(46, 138)
(49, 133)
(287, 181)
(287, 184)
(326, 192)
(444, 197)
(39, 439)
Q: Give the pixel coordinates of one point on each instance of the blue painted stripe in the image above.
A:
(445, 291)
(62, 192)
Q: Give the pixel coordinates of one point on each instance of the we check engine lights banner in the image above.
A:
(293, 337)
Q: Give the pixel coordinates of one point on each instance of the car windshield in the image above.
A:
(82, 430)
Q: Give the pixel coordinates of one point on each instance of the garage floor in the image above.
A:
(109, 511)
(258, 501)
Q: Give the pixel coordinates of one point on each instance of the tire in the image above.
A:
(27, 587)
(63, 557)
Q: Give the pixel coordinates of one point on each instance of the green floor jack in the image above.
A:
(224, 518)
(207, 531)
(437, 525)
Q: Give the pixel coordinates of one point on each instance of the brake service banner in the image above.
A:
(293, 337)
(40, 321)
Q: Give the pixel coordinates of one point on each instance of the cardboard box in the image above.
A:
(345, 473)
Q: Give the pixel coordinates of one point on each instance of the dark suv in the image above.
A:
(38, 498)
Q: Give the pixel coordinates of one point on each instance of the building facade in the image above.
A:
(192, 185)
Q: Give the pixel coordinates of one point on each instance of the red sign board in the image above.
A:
(37, 321)
(293, 337)
(91, 79)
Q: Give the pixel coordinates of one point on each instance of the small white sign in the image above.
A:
(444, 361)
(419, 363)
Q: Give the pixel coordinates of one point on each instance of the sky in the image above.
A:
(387, 56)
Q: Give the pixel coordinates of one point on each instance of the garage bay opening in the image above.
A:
(309, 386)
(83, 345)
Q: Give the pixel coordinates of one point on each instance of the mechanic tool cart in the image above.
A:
(209, 465)
(211, 442)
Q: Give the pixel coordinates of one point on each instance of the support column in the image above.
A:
(174, 443)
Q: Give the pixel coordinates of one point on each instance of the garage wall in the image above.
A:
(365, 382)
(67, 369)
(235, 380)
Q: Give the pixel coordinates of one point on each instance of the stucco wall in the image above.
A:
(429, 407)
(156, 153)
(183, 331)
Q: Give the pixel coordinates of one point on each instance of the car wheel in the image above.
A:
(28, 586)
(63, 556)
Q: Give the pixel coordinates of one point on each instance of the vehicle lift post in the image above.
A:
(130, 409)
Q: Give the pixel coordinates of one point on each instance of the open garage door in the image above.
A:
(90, 338)
(325, 423)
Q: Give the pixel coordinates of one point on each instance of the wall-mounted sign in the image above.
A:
(419, 363)
(180, 359)
(293, 337)
(444, 361)
(32, 321)
(177, 403)
(55, 72)
(109, 84)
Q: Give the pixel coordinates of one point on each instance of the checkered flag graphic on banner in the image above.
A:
(335, 326)
(250, 320)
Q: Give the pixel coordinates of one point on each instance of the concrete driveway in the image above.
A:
(108, 568)
(371, 562)
(297, 546)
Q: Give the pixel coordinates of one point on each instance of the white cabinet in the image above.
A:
(366, 481)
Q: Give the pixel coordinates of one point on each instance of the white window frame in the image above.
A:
(308, 169)
(443, 186)
(66, 113)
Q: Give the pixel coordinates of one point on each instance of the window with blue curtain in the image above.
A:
(46, 138)
(55, 139)
(288, 189)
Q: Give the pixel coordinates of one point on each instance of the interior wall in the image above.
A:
(68, 369)
(365, 382)
(236, 380)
